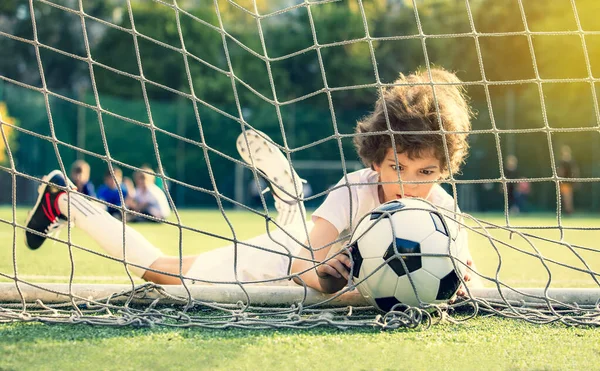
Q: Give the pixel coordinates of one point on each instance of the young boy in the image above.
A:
(399, 165)
(80, 174)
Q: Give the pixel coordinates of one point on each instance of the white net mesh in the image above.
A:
(177, 82)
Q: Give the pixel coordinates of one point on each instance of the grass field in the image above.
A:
(482, 343)
(52, 263)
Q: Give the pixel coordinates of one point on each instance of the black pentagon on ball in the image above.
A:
(439, 224)
(448, 286)
(387, 209)
(386, 304)
(403, 247)
(356, 258)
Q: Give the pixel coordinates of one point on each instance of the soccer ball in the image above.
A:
(403, 241)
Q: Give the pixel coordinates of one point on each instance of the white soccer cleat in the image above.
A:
(259, 151)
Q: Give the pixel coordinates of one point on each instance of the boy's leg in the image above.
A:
(264, 257)
(257, 149)
(54, 208)
(168, 264)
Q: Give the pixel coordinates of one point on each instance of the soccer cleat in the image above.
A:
(284, 182)
(45, 217)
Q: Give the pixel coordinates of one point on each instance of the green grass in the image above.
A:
(486, 344)
(482, 343)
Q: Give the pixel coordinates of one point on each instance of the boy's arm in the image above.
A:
(471, 278)
(331, 276)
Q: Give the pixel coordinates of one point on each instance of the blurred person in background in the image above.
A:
(109, 191)
(522, 194)
(80, 174)
(511, 164)
(567, 168)
(149, 199)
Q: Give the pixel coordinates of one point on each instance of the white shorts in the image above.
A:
(270, 266)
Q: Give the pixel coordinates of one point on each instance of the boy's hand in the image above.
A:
(338, 265)
(461, 290)
(333, 274)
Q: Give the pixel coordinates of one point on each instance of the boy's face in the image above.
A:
(426, 168)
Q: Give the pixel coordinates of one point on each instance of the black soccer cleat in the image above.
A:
(45, 217)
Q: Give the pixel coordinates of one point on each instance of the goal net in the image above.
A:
(172, 84)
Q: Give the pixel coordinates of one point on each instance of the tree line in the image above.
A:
(140, 58)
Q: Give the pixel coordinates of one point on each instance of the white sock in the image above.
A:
(109, 232)
(289, 214)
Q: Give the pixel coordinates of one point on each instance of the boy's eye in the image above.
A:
(427, 172)
(394, 167)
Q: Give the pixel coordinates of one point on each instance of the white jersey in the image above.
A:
(345, 206)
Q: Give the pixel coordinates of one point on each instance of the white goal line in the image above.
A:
(46, 278)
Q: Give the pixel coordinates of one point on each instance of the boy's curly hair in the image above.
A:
(411, 107)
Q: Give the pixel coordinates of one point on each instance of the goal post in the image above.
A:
(173, 83)
(265, 295)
